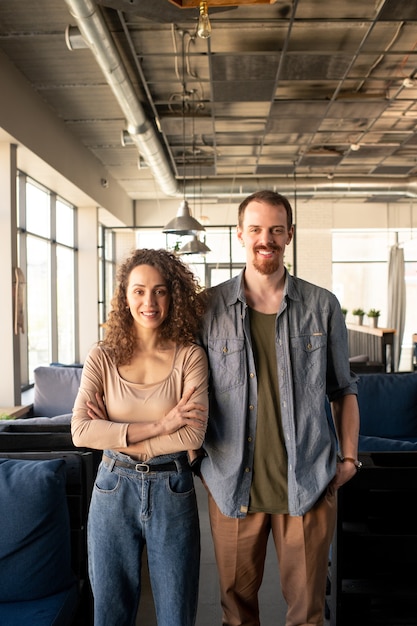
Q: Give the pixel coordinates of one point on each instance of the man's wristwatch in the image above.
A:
(356, 462)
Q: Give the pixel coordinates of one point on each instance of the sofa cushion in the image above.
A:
(57, 610)
(35, 548)
(388, 405)
(378, 444)
(55, 390)
(50, 422)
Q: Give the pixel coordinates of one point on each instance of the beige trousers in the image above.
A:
(302, 544)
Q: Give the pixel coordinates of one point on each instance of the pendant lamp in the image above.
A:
(183, 223)
(195, 246)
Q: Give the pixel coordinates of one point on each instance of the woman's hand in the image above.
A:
(97, 409)
(185, 413)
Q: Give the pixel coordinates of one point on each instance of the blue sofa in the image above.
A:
(44, 498)
(387, 403)
(388, 411)
(45, 490)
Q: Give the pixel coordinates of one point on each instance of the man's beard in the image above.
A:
(266, 266)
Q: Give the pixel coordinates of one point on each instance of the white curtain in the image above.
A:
(396, 299)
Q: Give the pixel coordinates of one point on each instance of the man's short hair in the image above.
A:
(269, 197)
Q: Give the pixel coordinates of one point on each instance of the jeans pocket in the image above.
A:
(106, 481)
(181, 483)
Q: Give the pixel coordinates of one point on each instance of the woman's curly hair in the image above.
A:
(186, 308)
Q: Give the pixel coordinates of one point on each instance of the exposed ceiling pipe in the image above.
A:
(94, 29)
(240, 188)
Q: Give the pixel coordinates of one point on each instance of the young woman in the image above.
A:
(143, 400)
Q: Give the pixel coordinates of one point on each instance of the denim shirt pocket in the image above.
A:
(309, 355)
(227, 363)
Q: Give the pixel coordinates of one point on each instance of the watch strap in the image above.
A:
(356, 462)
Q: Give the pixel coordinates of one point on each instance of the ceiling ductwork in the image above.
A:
(93, 28)
(307, 187)
(321, 138)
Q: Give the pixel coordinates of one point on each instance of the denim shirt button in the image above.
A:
(247, 469)
(252, 375)
(249, 439)
(251, 407)
(309, 346)
(225, 350)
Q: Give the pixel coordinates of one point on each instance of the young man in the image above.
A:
(277, 346)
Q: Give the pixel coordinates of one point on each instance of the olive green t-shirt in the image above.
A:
(269, 490)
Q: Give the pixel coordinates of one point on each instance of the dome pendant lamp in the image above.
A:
(183, 223)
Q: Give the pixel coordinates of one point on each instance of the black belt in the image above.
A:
(146, 468)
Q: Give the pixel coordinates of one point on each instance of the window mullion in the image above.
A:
(54, 273)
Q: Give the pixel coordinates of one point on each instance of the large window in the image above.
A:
(360, 276)
(47, 257)
(225, 259)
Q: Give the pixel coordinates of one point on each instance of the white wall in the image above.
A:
(9, 362)
(88, 293)
(51, 152)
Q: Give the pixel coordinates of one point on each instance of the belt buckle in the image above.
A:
(146, 469)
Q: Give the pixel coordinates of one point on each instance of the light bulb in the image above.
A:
(204, 26)
(409, 83)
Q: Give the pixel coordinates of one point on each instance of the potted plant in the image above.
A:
(373, 315)
(344, 311)
(359, 313)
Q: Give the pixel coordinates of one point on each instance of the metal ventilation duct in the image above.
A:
(95, 32)
(243, 187)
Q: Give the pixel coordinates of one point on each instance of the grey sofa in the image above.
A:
(55, 390)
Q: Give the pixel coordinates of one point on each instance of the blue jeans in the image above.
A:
(128, 510)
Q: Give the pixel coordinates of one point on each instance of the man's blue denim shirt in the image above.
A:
(312, 363)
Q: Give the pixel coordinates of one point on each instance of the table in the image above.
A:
(373, 342)
(16, 411)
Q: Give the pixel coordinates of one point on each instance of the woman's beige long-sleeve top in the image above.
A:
(128, 402)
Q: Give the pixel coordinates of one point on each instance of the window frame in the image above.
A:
(23, 180)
